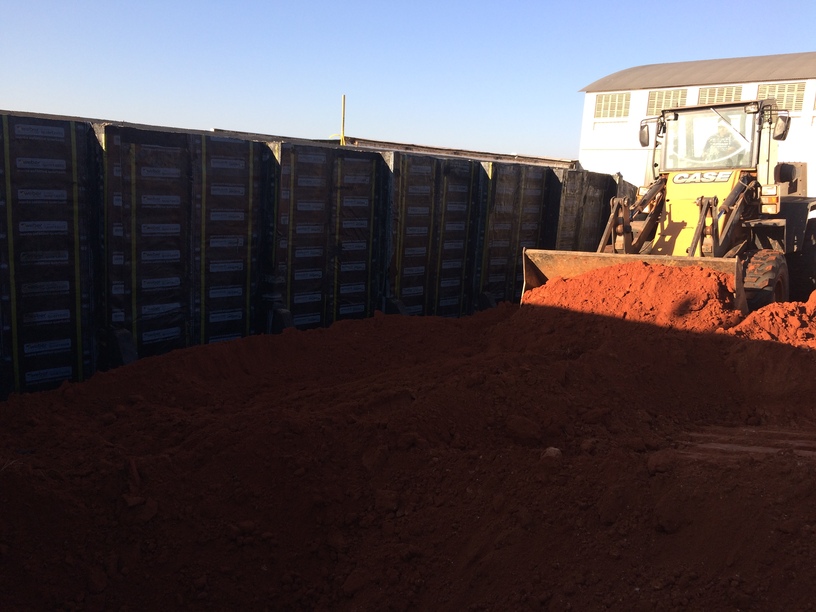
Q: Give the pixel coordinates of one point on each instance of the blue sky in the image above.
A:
(502, 77)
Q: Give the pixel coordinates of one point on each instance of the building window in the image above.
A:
(715, 95)
(666, 98)
(790, 96)
(612, 105)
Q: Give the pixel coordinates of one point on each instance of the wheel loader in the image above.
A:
(719, 200)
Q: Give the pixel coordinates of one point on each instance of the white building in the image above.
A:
(615, 105)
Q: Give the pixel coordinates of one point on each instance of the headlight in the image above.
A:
(770, 190)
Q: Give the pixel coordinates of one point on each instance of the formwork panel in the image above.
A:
(47, 212)
(227, 191)
(148, 237)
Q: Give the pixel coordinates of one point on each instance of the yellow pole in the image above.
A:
(343, 123)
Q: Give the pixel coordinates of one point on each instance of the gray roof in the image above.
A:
(710, 72)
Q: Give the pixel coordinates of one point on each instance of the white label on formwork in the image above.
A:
(227, 215)
(458, 188)
(496, 278)
(307, 275)
(169, 255)
(308, 228)
(416, 231)
(47, 316)
(228, 190)
(307, 298)
(47, 347)
(227, 266)
(499, 244)
(503, 208)
(117, 200)
(456, 226)
(39, 132)
(161, 148)
(223, 338)
(284, 194)
(528, 227)
(310, 206)
(232, 291)
(305, 181)
(44, 257)
(160, 172)
(352, 288)
(42, 195)
(160, 335)
(311, 158)
(527, 244)
(222, 316)
(307, 319)
(449, 302)
(154, 284)
(412, 291)
(452, 245)
(419, 189)
(420, 169)
(117, 169)
(284, 220)
(498, 261)
(418, 211)
(161, 201)
(355, 223)
(46, 288)
(355, 202)
(41, 165)
(161, 229)
(502, 227)
(415, 252)
(308, 253)
(452, 264)
(349, 309)
(532, 193)
(118, 259)
(224, 242)
(455, 207)
(118, 289)
(118, 230)
(48, 375)
(43, 227)
(505, 190)
(158, 310)
(413, 271)
(354, 266)
(414, 310)
(117, 315)
(355, 245)
(228, 163)
(357, 179)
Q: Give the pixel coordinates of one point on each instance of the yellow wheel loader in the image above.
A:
(717, 201)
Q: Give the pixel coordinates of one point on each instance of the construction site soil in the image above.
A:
(624, 440)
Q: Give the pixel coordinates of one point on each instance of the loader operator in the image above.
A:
(720, 145)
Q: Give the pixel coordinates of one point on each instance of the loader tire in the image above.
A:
(766, 279)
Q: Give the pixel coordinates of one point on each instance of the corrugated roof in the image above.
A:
(710, 72)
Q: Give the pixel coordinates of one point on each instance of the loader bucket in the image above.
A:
(539, 266)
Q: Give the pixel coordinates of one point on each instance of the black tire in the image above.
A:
(766, 279)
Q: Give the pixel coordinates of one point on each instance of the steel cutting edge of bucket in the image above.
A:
(539, 266)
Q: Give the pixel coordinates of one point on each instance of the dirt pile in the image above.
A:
(592, 451)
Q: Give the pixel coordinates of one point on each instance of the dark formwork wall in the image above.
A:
(119, 242)
(47, 231)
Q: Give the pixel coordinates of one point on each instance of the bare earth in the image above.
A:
(626, 441)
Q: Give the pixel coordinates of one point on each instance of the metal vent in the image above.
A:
(790, 96)
(715, 95)
(665, 98)
(612, 105)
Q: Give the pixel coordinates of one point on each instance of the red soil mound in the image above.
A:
(591, 451)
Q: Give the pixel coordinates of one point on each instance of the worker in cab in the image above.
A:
(722, 144)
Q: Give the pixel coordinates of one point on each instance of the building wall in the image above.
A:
(610, 145)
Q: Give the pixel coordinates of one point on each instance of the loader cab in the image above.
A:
(731, 136)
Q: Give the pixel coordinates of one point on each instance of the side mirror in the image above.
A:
(643, 135)
(780, 130)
